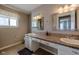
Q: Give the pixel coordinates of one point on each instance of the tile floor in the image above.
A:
(12, 50)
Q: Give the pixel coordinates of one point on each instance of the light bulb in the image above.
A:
(35, 17)
(66, 8)
(38, 17)
(60, 10)
(73, 7)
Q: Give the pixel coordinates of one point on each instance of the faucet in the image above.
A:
(47, 33)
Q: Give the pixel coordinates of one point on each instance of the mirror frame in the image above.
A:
(73, 19)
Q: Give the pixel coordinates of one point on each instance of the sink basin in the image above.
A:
(70, 41)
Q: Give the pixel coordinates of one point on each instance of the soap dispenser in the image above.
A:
(47, 33)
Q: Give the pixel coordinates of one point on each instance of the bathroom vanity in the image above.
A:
(53, 44)
(60, 23)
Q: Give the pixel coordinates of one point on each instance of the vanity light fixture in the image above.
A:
(67, 8)
(34, 17)
(60, 10)
(37, 17)
(73, 7)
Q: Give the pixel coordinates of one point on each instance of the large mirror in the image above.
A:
(65, 21)
(38, 24)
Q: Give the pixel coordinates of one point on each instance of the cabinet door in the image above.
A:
(36, 40)
(44, 42)
(34, 44)
(49, 44)
(31, 44)
(54, 45)
(26, 42)
(64, 50)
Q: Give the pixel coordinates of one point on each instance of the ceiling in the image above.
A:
(26, 8)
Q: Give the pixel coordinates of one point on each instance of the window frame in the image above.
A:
(17, 22)
(68, 19)
(73, 20)
(8, 26)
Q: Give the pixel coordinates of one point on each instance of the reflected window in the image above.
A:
(34, 23)
(65, 22)
(38, 24)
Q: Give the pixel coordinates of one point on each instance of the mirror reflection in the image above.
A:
(38, 24)
(65, 21)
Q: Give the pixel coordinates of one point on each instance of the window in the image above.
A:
(4, 21)
(13, 22)
(8, 21)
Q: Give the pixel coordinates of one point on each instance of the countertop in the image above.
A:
(52, 38)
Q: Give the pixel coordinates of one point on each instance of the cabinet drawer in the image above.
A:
(64, 50)
(68, 52)
(53, 45)
(35, 39)
(44, 42)
(49, 44)
(75, 51)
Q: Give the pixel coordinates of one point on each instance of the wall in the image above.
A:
(12, 35)
(49, 13)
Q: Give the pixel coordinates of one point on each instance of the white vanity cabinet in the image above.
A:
(36, 40)
(31, 44)
(28, 42)
(44, 42)
(49, 44)
(61, 49)
(35, 44)
(64, 50)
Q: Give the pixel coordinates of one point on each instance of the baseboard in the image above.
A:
(19, 42)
